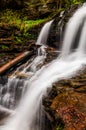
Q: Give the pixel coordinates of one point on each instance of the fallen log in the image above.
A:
(15, 61)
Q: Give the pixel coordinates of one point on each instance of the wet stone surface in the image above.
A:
(67, 101)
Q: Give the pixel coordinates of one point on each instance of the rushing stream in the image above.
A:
(71, 59)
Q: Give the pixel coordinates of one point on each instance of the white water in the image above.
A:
(42, 40)
(37, 61)
(64, 66)
(44, 34)
(72, 28)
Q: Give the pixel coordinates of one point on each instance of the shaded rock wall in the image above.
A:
(58, 27)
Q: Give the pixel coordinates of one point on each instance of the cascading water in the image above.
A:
(75, 23)
(44, 34)
(42, 40)
(65, 66)
(16, 85)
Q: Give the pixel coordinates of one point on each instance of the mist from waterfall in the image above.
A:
(65, 66)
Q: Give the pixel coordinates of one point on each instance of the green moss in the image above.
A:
(31, 23)
(13, 18)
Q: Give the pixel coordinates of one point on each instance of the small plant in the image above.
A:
(4, 47)
(60, 126)
(18, 40)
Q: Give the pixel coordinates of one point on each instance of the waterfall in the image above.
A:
(72, 29)
(44, 34)
(15, 85)
(42, 41)
(65, 66)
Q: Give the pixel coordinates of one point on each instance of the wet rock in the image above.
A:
(81, 89)
(77, 84)
(3, 79)
(67, 102)
(6, 30)
(4, 114)
(72, 118)
(57, 30)
(23, 75)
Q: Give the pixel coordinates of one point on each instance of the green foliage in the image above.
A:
(59, 127)
(12, 18)
(76, 1)
(4, 47)
(28, 24)
(65, 3)
(18, 40)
